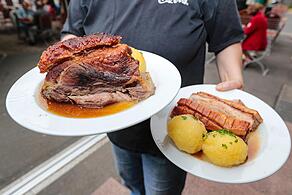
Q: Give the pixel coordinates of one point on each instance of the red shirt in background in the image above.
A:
(256, 33)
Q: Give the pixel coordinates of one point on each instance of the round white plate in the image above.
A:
(23, 108)
(274, 149)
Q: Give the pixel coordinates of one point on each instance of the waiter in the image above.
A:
(177, 30)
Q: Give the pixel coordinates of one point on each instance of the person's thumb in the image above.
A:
(229, 85)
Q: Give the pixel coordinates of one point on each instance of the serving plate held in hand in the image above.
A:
(274, 136)
(23, 107)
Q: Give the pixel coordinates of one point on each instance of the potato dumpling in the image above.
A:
(187, 133)
(137, 55)
(225, 149)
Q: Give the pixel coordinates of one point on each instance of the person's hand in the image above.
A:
(229, 85)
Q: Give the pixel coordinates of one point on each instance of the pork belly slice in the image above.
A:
(209, 124)
(64, 50)
(221, 107)
(240, 110)
(224, 121)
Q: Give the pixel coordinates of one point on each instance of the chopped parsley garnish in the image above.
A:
(184, 117)
(230, 143)
(224, 146)
(226, 132)
(236, 141)
(205, 136)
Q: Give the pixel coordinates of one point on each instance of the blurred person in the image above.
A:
(178, 31)
(255, 30)
(45, 6)
(49, 7)
(25, 17)
(25, 13)
(39, 4)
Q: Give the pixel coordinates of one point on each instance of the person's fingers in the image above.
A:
(229, 85)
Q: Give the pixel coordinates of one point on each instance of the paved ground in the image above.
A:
(86, 176)
(20, 149)
(98, 168)
(288, 27)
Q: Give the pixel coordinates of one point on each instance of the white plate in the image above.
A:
(274, 149)
(23, 108)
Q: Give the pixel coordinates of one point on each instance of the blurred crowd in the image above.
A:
(52, 7)
(33, 19)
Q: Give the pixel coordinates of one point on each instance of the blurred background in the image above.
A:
(32, 163)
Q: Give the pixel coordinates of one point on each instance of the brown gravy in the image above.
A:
(75, 111)
(200, 155)
(253, 148)
(253, 145)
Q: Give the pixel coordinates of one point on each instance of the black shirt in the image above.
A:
(175, 29)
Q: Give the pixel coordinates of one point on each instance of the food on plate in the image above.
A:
(229, 123)
(93, 71)
(187, 133)
(225, 149)
(137, 55)
(217, 113)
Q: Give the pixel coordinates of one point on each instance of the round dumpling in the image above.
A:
(225, 149)
(187, 133)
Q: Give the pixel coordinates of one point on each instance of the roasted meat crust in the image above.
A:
(68, 49)
(239, 127)
(113, 65)
(217, 113)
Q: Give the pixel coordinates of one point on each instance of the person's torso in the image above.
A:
(173, 29)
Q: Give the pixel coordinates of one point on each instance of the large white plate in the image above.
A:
(23, 108)
(274, 149)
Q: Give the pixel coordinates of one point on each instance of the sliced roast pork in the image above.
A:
(93, 71)
(217, 113)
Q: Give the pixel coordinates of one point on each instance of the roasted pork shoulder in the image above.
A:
(93, 71)
(217, 113)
